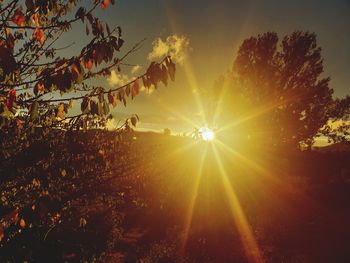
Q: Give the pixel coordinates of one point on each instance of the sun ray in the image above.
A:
(188, 69)
(259, 111)
(250, 245)
(189, 214)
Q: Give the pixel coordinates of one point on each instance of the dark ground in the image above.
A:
(296, 206)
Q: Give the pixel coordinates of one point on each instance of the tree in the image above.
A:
(33, 73)
(45, 160)
(277, 94)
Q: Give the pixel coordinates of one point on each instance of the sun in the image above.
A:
(206, 134)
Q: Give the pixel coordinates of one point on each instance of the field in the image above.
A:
(157, 198)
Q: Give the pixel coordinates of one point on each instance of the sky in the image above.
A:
(211, 32)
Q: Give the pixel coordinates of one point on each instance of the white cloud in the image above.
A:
(175, 46)
(117, 79)
(135, 69)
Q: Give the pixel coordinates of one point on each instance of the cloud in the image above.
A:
(175, 46)
(135, 69)
(117, 79)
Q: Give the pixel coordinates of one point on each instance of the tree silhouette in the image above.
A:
(277, 94)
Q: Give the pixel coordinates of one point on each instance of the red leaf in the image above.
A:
(1, 233)
(18, 18)
(22, 223)
(135, 88)
(88, 64)
(75, 72)
(105, 4)
(11, 98)
(38, 35)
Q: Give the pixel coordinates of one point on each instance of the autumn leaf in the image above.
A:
(88, 64)
(105, 4)
(19, 123)
(13, 216)
(1, 233)
(133, 121)
(94, 107)
(38, 35)
(35, 19)
(82, 222)
(75, 71)
(105, 108)
(36, 182)
(39, 88)
(18, 18)
(135, 88)
(85, 105)
(60, 114)
(112, 99)
(22, 223)
(121, 94)
(127, 90)
(11, 98)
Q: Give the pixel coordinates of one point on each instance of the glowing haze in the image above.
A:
(203, 37)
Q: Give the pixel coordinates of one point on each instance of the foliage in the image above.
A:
(32, 69)
(44, 163)
(278, 93)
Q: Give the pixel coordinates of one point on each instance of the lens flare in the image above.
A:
(206, 134)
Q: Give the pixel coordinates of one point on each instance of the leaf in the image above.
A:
(60, 112)
(85, 105)
(39, 88)
(135, 88)
(75, 72)
(13, 216)
(63, 172)
(133, 121)
(112, 99)
(121, 94)
(35, 19)
(94, 107)
(1, 233)
(80, 13)
(108, 30)
(22, 223)
(90, 18)
(11, 98)
(18, 18)
(164, 77)
(100, 108)
(87, 30)
(105, 4)
(82, 222)
(88, 63)
(38, 35)
(127, 90)
(105, 108)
